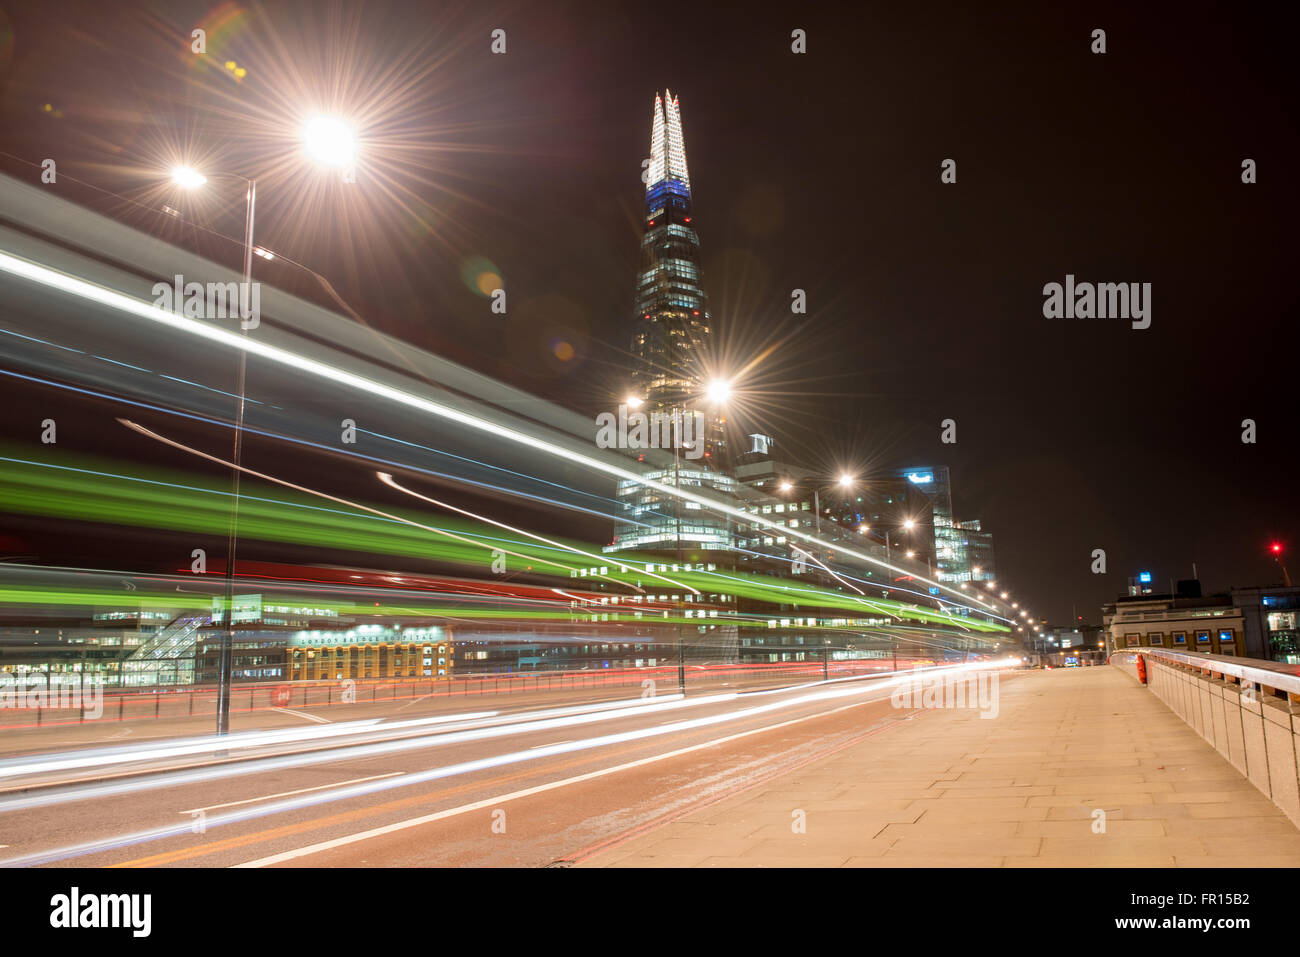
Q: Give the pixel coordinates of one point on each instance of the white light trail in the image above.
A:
(388, 480)
(80, 288)
(529, 754)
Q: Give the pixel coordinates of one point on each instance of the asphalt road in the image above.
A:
(535, 786)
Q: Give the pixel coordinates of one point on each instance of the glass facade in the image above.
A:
(650, 519)
(959, 547)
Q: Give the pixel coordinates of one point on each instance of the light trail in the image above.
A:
(392, 483)
(349, 453)
(71, 285)
(342, 501)
(871, 687)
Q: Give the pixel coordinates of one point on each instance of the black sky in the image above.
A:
(817, 171)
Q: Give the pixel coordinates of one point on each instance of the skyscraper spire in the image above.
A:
(667, 146)
(676, 143)
(658, 157)
(672, 338)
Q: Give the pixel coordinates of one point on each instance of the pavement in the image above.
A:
(1080, 768)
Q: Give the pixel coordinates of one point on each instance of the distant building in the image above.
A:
(1271, 619)
(1085, 644)
(1257, 621)
(962, 550)
(1208, 625)
(651, 520)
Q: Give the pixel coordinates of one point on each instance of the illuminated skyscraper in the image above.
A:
(671, 338)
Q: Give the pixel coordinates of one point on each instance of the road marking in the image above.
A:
(527, 792)
(304, 714)
(268, 797)
(550, 744)
(414, 701)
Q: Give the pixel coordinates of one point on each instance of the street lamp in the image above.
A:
(717, 393)
(330, 142)
(187, 177)
(908, 525)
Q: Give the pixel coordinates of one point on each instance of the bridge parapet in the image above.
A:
(1247, 708)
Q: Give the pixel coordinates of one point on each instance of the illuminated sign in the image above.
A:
(920, 478)
(1144, 578)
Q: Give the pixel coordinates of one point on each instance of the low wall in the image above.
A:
(1248, 709)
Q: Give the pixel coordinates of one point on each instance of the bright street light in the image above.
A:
(186, 177)
(909, 525)
(329, 141)
(846, 479)
(786, 486)
(719, 391)
(633, 401)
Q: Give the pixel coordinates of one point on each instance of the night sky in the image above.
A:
(817, 171)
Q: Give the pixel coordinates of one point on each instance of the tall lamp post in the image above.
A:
(331, 143)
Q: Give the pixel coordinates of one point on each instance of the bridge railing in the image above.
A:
(1247, 708)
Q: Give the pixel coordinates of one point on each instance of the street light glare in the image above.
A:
(329, 141)
(846, 479)
(633, 402)
(719, 390)
(909, 525)
(186, 177)
(786, 486)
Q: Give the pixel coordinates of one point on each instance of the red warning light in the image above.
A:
(1276, 548)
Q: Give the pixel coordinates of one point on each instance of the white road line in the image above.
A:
(551, 744)
(268, 797)
(303, 714)
(526, 792)
(414, 701)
